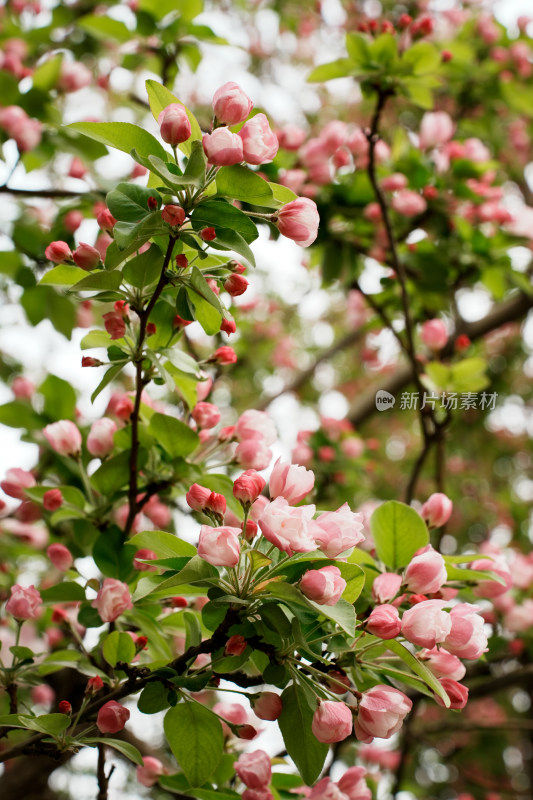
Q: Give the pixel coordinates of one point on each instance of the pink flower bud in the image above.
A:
(114, 324)
(255, 425)
(173, 215)
(332, 722)
(427, 624)
(43, 695)
(299, 220)
(219, 546)
(457, 693)
(384, 621)
(24, 603)
(236, 645)
(291, 137)
(246, 732)
(105, 219)
(253, 454)
(263, 793)
(259, 142)
(60, 556)
(230, 104)
(64, 707)
(426, 572)
(146, 555)
(443, 664)
(100, 439)
(266, 705)
(63, 437)
(16, 481)
(437, 510)
(290, 481)
(73, 219)
(223, 148)
(58, 252)
(436, 128)
(392, 183)
(490, 588)
(94, 685)
(174, 124)
(381, 713)
(409, 203)
(386, 586)
(434, 334)
(224, 355)
(112, 600)
(112, 716)
(467, 637)
(236, 285)
(228, 326)
(248, 486)
(216, 503)
(22, 388)
(149, 773)
(206, 415)
(197, 497)
(254, 769)
(86, 256)
(323, 586)
(353, 783)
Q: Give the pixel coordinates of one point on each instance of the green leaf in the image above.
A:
(231, 240)
(240, 183)
(419, 94)
(105, 28)
(196, 165)
(174, 436)
(112, 557)
(358, 49)
(398, 532)
(193, 630)
(46, 75)
(476, 575)
(22, 653)
(101, 280)
(195, 737)
(166, 545)
(153, 698)
(63, 275)
(112, 474)
(197, 571)
(144, 269)
(123, 136)
(159, 98)
(328, 72)
(383, 49)
(418, 668)
(200, 285)
(59, 398)
(342, 613)
(207, 315)
(355, 580)
(182, 361)
(295, 725)
(130, 236)
(219, 214)
(282, 194)
(118, 647)
(54, 724)
(43, 302)
(17, 414)
(125, 748)
(95, 339)
(129, 202)
(63, 593)
(422, 58)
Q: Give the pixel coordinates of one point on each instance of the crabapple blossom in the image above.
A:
(427, 624)
(254, 769)
(299, 220)
(259, 142)
(384, 621)
(60, 556)
(220, 546)
(437, 510)
(336, 532)
(426, 572)
(332, 722)
(380, 713)
(223, 148)
(324, 586)
(288, 528)
(230, 104)
(63, 437)
(112, 599)
(24, 603)
(112, 717)
(174, 124)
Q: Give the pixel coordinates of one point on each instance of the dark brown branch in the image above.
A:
(103, 779)
(140, 383)
(51, 193)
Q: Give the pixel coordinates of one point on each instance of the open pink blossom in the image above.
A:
(223, 148)
(290, 481)
(254, 769)
(427, 624)
(149, 773)
(288, 528)
(467, 637)
(299, 220)
(381, 712)
(259, 142)
(112, 599)
(25, 602)
(336, 532)
(220, 546)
